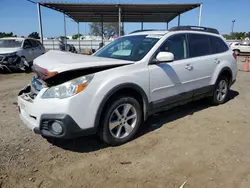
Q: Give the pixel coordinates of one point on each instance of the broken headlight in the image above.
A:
(69, 88)
(11, 58)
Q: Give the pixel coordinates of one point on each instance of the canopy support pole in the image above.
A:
(119, 21)
(65, 32)
(179, 20)
(167, 25)
(199, 18)
(123, 27)
(142, 26)
(79, 42)
(40, 22)
(102, 29)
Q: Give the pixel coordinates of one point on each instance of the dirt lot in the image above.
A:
(203, 145)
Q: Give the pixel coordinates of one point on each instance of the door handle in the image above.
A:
(217, 61)
(188, 67)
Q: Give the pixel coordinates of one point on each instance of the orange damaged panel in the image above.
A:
(43, 73)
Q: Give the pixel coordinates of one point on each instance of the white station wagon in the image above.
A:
(112, 92)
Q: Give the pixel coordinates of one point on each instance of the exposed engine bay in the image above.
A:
(13, 63)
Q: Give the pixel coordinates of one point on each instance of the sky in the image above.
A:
(20, 17)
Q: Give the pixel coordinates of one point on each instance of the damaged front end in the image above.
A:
(12, 63)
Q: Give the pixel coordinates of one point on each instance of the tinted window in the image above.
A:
(39, 43)
(10, 43)
(245, 44)
(27, 44)
(177, 45)
(33, 43)
(199, 45)
(218, 45)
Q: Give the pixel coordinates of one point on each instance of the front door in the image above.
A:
(172, 82)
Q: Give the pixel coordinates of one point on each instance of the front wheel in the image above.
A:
(120, 121)
(221, 90)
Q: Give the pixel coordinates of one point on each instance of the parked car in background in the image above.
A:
(241, 47)
(19, 53)
(113, 91)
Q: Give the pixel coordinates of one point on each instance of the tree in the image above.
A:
(34, 35)
(3, 34)
(109, 29)
(237, 35)
(76, 36)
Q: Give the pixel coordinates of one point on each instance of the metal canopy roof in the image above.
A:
(93, 12)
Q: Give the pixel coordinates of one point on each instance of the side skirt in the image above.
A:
(180, 99)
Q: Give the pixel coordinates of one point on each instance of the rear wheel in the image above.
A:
(221, 91)
(120, 121)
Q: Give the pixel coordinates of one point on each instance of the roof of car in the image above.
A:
(17, 38)
(149, 32)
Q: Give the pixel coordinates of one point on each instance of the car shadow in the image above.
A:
(92, 143)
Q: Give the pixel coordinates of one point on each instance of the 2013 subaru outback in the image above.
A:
(113, 91)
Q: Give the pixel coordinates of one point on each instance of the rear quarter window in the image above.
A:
(199, 45)
(33, 43)
(218, 45)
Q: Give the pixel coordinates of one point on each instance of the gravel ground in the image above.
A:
(201, 145)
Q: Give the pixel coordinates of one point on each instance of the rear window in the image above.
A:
(199, 45)
(218, 45)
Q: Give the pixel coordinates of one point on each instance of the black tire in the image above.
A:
(27, 65)
(105, 133)
(214, 99)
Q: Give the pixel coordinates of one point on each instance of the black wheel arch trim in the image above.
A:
(226, 69)
(113, 91)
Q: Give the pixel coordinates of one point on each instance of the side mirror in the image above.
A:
(164, 57)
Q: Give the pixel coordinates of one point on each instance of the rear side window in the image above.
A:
(218, 45)
(199, 45)
(33, 43)
(39, 43)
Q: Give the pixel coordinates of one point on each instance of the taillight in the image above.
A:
(235, 55)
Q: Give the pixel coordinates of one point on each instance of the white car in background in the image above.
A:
(241, 47)
(12, 49)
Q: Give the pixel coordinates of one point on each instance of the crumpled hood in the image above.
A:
(58, 61)
(8, 50)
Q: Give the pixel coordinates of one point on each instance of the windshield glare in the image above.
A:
(10, 43)
(132, 48)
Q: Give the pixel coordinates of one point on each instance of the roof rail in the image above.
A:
(195, 28)
(137, 31)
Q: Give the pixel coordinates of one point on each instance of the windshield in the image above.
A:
(10, 43)
(132, 48)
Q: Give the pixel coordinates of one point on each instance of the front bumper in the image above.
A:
(32, 115)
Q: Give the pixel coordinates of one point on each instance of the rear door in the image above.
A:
(203, 61)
